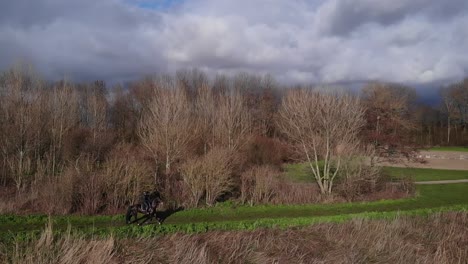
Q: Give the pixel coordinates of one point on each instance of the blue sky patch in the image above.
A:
(155, 4)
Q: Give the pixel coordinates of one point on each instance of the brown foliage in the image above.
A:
(78, 147)
(324, 128)
(388, 114)
(124, 116)
(209, 176)
(259, 185)
(232, 121)
(67, 249)
(126, 173)
(297, 193)
(267, 151)
(266, 185)
(440, 238)
(166, 124)
(437, 239)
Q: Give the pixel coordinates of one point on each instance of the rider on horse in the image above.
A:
(146, 201)
(147, 206)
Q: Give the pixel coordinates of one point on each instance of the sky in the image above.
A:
(408, 41)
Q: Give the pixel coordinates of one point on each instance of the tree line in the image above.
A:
(86, 147)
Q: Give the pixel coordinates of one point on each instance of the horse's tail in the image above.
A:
(130, 213)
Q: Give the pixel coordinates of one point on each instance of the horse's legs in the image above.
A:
(148, 217)
(157, 218)
(131, 213)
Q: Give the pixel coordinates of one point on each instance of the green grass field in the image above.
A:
(461, 149)
(228, 216)
(426, 174)
(430, 198)
(300, 172)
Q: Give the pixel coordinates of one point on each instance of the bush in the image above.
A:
(267, 151)
(126, 175)
(362, 179)
(209, 177)
(259, 185)
(267, 185)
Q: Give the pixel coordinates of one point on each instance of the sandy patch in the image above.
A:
(446, 160)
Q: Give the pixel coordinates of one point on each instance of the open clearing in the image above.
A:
(300, 172)
(440, 159)
(227, 216)
(430, 199)
(441, 182)
(420, 174)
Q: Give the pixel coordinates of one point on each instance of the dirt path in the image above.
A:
(445, 160)
(442, 182)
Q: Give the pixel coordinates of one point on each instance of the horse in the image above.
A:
(148, 211)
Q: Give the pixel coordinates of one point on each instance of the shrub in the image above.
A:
(259, 185)
(209, 176)
(126, 175)
(267, 151)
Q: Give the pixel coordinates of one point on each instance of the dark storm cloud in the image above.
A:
(40, 13)
(83, 39)
(338, 40)
(344, 16)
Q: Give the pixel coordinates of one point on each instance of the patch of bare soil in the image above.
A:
(445, 160)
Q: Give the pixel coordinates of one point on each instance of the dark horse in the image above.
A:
(146, 207)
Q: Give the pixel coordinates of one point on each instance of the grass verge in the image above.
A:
(300, 172)
(419, 174)
(128, 231)
(430, 198)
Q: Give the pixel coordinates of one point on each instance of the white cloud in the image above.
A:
(337, 40)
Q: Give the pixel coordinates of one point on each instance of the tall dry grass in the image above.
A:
(209, 177)
(266, 185)
(65, 250)
(440, 238)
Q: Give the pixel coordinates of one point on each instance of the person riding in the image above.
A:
(146, 201)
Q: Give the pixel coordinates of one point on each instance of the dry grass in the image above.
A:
(265, 185)
(441, 238)
(208, 177)
(66, 249)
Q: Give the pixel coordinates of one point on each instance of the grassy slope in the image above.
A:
(461, 149)
(426, 174)
(430, 196)
(300, 172)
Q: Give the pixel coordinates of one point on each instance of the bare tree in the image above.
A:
(127, 174)
(96, 108)
(209, 176)
(166, 127)
(324, 128)
(455, 106)
(124, 115)
(388, 106)
(259, 184)
(63, 116)
(22, 110)
(205, 109)
(233, 124)
(449, 107)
